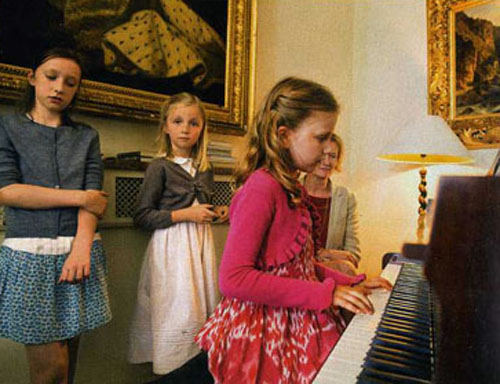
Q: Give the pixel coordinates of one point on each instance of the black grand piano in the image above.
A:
(441, 322)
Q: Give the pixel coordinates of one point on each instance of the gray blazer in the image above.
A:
(168, 187)
(344, 221)
(343, 224)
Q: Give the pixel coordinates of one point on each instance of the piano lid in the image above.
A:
(463, 267)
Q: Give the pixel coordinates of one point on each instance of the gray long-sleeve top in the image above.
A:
(168, 187)
(66, 157)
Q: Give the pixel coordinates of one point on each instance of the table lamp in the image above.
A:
(426, 140)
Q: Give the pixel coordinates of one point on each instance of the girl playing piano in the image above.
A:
(279, 317)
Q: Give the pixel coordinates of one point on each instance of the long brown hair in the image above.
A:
(290, 101)
(27, 103)
(199, 151)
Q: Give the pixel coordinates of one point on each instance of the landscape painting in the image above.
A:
(477, 58)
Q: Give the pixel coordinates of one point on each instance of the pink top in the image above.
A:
(264, 233)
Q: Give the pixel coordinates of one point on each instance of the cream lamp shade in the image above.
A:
(426, 140)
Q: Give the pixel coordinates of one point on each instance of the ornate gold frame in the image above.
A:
(475, 132)
(111, 100)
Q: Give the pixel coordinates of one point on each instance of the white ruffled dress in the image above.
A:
(177, 292)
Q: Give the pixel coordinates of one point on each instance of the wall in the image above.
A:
(390, 88)
(373, 56)
(310, 39)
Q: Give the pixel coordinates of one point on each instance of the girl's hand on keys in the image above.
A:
(353, 299)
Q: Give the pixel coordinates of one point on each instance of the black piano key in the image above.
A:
(398, 358)
(385, 365)
(400, 344)
(408, 301)
(405, 325)
(408, 312)
(370, 380)
(407, 307)
(388, 378)
(401, 351)
(405, 316)
(421, 358)
(404, 332)
(410, 340)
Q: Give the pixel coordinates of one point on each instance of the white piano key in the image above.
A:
(345, 362)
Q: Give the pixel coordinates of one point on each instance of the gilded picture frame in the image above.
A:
(106, 99)
(476, 130)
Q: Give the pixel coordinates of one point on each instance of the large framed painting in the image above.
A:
(138, 52)
(464, 68)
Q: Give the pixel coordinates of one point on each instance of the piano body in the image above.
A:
(441, 322)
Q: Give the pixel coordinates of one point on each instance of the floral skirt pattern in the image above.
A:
(35, 309)
(254, 343)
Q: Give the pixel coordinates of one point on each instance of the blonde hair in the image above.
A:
(340, 155)
(199, 150)
(290, 101)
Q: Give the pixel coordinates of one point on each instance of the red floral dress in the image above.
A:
(255, 343)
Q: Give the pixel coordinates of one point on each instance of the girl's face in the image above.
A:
(328, 162)
(310, 140)
(55, 82)
(184, 125)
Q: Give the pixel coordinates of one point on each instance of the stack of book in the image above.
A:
(132, 160)
(136, 155)
(220, 153)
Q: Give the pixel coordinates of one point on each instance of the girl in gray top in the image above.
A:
(52, 265)
(177, 289)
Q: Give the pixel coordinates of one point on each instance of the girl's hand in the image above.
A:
(353, 299)
(201, 213)
(95, 202)
(375, 283)
(337, 255)
(76, 267)
(341, 265)
(222, 212)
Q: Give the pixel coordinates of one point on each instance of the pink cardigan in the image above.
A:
(264, 233)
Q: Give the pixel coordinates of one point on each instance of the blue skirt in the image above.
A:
(35, 309)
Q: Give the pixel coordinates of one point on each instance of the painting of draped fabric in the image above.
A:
(464, 68)
(154, 47)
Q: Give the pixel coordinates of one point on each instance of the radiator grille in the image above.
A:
(222, 193)
(127, 189)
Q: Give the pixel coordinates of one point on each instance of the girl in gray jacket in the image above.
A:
(52, 265)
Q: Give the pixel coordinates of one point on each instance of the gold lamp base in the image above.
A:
(422, 201)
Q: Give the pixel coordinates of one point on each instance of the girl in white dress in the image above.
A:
(177, 288)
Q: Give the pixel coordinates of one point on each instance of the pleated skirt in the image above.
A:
(177, 291)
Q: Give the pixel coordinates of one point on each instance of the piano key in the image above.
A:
(409, 360)
(394, 343)
(347, 356)
(397, 368)
(389, 378)
(421, 359)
